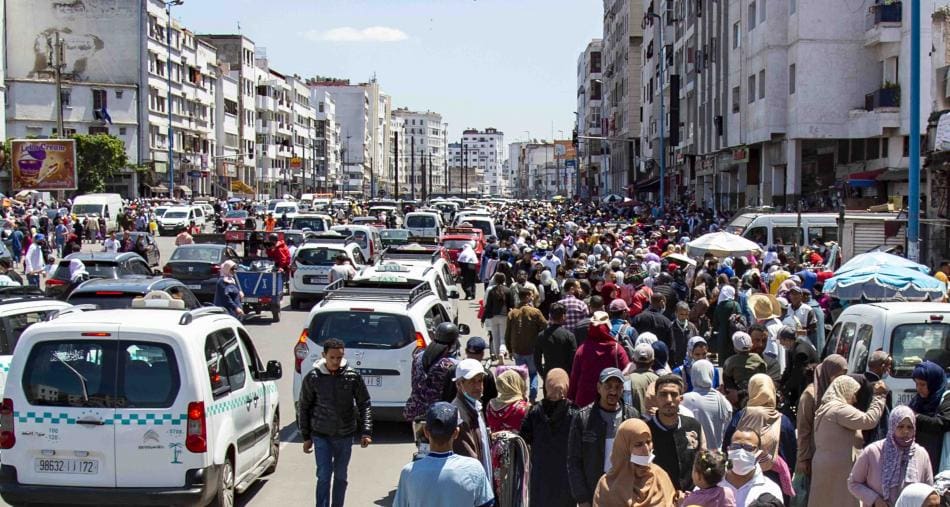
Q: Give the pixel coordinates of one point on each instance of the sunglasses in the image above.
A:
(745, 447)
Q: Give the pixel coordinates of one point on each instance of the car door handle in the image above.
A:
(91, 422)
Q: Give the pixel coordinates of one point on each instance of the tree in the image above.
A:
(100, 158)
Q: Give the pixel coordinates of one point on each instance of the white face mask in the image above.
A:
(643, 461)
(743, 461)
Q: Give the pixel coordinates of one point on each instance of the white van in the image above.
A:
(909, 332)
(177, 218)
(106, 206)
(486, 224)
(424, 224)
(288, 207)
(311, 221)
(147, 405)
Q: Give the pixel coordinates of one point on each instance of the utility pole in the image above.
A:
(396, 160)
(422, 163)
(372, 178)
(446, 177)
(464, 193)
(913, 193)
(56, 57)
(430, 175)
(412, 168)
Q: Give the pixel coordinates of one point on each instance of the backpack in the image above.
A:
(737, 323)
(624, 340)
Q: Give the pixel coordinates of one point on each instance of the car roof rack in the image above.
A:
(412, 252)
(19, 293)
(205, 311)
(72, 309)
(371, 290)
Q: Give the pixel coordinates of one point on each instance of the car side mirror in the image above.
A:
(274, 371)
(454, 294)
(464, 329)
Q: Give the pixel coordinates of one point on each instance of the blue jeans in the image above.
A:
(532, 373)
(333, 457)
(33, 280)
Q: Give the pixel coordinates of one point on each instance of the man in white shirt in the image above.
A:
(342, 269)
(745, 477)
(110, 245)
(34, 263)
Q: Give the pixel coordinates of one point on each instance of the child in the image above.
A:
(708, 470)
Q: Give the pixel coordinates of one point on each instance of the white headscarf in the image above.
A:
(727, 293)
(467, 256)
(76, 270)
(915, 494)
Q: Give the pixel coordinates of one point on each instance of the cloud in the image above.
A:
(350, 34)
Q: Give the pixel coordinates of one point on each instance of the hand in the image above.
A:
(307, 446)
(803, 468)
(880, 388)
(365, 441)
(880, 503)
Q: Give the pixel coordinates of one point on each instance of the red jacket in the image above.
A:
(598, 351)
(508, 418)
(280, 254)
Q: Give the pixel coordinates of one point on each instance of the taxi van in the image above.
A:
(20, 308)
(152, 405)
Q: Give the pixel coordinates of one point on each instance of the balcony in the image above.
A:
(883, 23)
(889, 96)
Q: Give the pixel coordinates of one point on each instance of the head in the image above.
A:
(786, 337)
(521, 276)
(556, 385)
(929, 378)
(760, 335)
(596, 304)
(635, 435)
(610, 389)
(682, 311)
(658, 302)
(571, 287)
(744, 443)
(669, 394)
(333, 354)
(709, 468)
(902, 426)
(442, 420)
(880, 363)
(558, 312)
(698, 348)
(525, 295)
(643, 355)
(795, 297)
(470, 378)
(475, 348)
(741, 341)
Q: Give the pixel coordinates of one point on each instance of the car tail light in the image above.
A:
(265, 300)
(7, 435)
(54, 282)
(167, 270)
(215, 269)
(301, 350)
(420, 341)
(196, 438)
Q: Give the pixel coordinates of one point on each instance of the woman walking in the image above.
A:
(227, 293)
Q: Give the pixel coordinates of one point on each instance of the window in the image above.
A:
(433, 318)
(751, 89)
(364, 329)
(752, 13)
(225, 363)
(736, 94)
(791, 79)
(98, 99)
(70, 373)
(885, 147)
(843, 151)
(916, 342)
(98, 129)
(12, 327)
(762, 11)
(148, 375)
(256, 365)
(787, 235)
(758, 234)
(792, 6)
(858, 364)
(822, 234)
(65, 96)
(737, 35)
(762, 84)
(857, 150)
(846, 339)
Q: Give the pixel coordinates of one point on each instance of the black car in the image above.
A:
(112, 294)
(198, 266)
(98, 265)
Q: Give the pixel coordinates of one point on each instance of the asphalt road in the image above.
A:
(373, 472)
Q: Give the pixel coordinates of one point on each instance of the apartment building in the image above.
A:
(399, 157)
(353, 115)
(226, 125)
(483, 164)
(589, 103)
(426, 152)
(327, 143)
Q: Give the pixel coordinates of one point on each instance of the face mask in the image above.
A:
(743, 461)
(643, 461)
(471, 400)
(681, 322)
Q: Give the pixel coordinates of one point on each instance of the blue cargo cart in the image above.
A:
(263, 289)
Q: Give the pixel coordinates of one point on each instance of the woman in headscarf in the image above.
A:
(507, 411)
(545, 429)
(726, 307)
(609, 291)
(550, 292)
(932, 406)
(709, 406)
(832, 367)
(919, 495)
(696, 349)
(837, 424)
(633, 480)
(699, 311)
(661, 357)
(227, 293)
(885, 467)
(468, 261)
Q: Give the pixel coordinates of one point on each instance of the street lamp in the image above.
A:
(168, 95)
(662, 58)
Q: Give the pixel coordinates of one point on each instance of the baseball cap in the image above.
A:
(786, 333)
(619, 305)
(475, 344)
(741, 341)
(642, 353)
(441, 419)
(468, 368)
(609, 373)
(600, 318)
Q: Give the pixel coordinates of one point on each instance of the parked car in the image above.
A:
(394, 237)
(98, 265)
(235, 217)
(198, 266)
(119, 293)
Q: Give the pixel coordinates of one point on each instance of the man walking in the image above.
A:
(334, 406)
(525, 323)
(556, 346)
(442, 477)
(676, 438)
(577, 310)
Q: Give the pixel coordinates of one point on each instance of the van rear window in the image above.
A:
(912, 344)
(93, 373)
(420, 221)
(363, 329)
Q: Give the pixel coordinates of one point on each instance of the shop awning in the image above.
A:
(864, 179)
(240, 186)
(158, 189)
(894, 175)
(183, 188)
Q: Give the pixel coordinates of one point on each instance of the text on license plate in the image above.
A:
(66, 466)
(194, 287)
(315, 279)
(373, 380)
(905, 397)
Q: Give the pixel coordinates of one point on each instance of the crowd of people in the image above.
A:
(643, 377)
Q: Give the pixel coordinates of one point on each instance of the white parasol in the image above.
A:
(722, 244)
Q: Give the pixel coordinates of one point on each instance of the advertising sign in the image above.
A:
(43, 164)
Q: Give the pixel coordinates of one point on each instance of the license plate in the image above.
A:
(250, 300)
(373, 380)
(194, 287)
(905, 397)
(66, 466)
(314, 280)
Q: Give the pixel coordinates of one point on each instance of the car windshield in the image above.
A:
(208, 254)
(175, 214)
(87, 209)
(914, 343)
(457, 244)
(484, 225)
(315, 224)
(318, 256)
(236, 214)
(363, 330)
(420, 221)
(96, 269)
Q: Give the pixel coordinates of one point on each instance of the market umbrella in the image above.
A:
(23, 194)
(874, 259)
(721, 244)
(884, 283)
(682, 259)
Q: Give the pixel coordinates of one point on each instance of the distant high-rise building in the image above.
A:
(424, 131)
(483, 163)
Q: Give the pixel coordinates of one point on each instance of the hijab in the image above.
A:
(831, 367)
(690, 345)
(661, 356)
(607, 291)
(936, 380)
(842, 391)
(648, 338)
(467, 255)
(512, 388)
(77, 269)
(915, 494)
(760, 415)
(727, 293)
(701, 375)
(556, 381)
(898, 463)
(629, 485)
(227, 271)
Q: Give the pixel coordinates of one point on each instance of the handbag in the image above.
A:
(481, 309)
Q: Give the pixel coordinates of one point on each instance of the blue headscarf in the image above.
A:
(661, 355)
(936, 379)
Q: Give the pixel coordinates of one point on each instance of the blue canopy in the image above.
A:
(884, 283)
(880, 259)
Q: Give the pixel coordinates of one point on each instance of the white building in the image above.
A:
(227, 149)
(399, 156)
(424, 132)
(621, 97)
(589, 101)
(327, 142)
(484, 154)
(353, 116)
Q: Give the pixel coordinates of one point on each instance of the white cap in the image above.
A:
(468, 368)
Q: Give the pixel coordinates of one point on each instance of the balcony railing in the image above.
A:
(885, 97)
(885, 13)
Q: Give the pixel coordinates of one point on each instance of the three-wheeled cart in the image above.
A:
(257, 276)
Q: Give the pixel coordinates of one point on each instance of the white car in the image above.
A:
(177, 218)
(403, 271)
(310, 267)
(366, 236)
(147, 405)
(425, 224)
(20, 309)
(381, 325)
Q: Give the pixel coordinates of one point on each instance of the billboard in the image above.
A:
(43, 164)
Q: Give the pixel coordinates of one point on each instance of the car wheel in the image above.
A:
(274, 444)
(294, 303)
(224, 497)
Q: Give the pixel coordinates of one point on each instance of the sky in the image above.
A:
(508, 64)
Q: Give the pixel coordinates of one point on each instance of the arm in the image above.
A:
(363, 404)
(575, 462)
(853, 419)
(508, 335)
(539, 357)
(939, 423)
(806, 428)
(305, 404)
(527, 428)
(857, 481)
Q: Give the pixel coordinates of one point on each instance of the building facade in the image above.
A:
(327, 143)
(589, 103)
(621, 94)
(352, 106)
(425, 152)
(483, 167)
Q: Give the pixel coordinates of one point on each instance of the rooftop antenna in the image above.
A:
(239, 26)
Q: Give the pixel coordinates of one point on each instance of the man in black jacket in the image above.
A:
(800, 358)
(676, 438)
(592, 436)
(334, 405)
(652, 320)
(555, 347)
